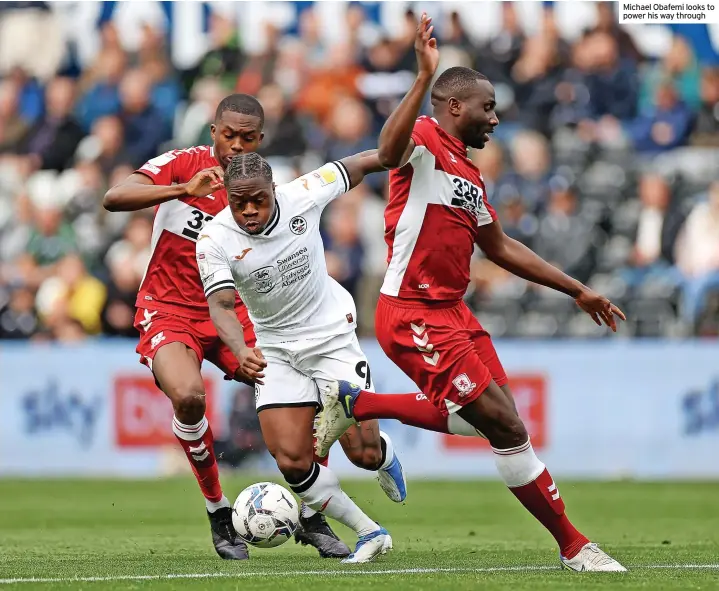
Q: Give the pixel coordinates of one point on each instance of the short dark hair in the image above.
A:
(455, 81)
(248, 166)
(241, 103)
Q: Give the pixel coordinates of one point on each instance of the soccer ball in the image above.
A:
(265, 515)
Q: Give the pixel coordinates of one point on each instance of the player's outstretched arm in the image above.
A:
(523, 262)
(229, 329)
(360, 165)
(139, 191)
(395, 140)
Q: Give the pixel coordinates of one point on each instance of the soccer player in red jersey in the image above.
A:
(176, 333)
(436, 213)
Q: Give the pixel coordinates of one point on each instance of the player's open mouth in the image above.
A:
(252, 225)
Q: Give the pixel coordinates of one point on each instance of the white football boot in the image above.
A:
(592, 558)
(370, 547)
(336, 415)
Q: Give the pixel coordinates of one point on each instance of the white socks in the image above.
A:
(320, 489)
(212, 507)
(189, 432)
(308, 511)
(388, 450)
(518, 465)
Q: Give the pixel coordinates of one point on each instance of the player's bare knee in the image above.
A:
(507, 432)
(516, 431)
(294, 466)
(188, 402)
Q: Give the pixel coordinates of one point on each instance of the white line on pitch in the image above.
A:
(331, 573)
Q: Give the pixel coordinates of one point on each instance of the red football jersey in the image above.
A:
(437, 202)
(172, 281)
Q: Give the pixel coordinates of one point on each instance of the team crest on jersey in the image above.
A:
(298, 225)
(464, 385)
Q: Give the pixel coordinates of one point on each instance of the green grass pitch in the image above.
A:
(70, 534)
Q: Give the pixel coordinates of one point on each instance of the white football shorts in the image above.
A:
(298, 372)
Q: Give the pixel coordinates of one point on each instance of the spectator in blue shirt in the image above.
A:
(664, 127)
(145, 127)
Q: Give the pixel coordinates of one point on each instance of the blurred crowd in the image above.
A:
(605, 162)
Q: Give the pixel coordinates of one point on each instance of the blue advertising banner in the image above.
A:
(595, 410)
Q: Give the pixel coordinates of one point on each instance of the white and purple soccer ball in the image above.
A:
(265, 515)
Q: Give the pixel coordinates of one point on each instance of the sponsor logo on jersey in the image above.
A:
(350, 318)
(297, 259)
(296, 275)
(264, 279)
(242, 255)
(305, 184)
(151, 168)
(464, 385)
(294, 267)
(467, 196)
(298, 225)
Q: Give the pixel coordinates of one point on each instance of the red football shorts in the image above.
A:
(159, 328)
(443, 349)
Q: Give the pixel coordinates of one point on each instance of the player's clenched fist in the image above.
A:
(205, 182)
(425, 46)
(252, 362)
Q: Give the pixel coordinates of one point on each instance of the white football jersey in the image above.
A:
(281, 273)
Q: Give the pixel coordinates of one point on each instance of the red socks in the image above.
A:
(530, 481)
(198, 443)
(411, 409)
(541, 498)
(521, 470)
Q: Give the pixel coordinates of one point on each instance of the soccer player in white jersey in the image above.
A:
(267, 245)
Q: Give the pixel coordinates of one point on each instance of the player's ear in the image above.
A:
(262, 136)
(454, 106)
(213, 129)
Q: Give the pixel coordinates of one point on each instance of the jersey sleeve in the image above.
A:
(424, 137)
(163, 169)
(323, 185)
(214, 266)
(487, 214)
